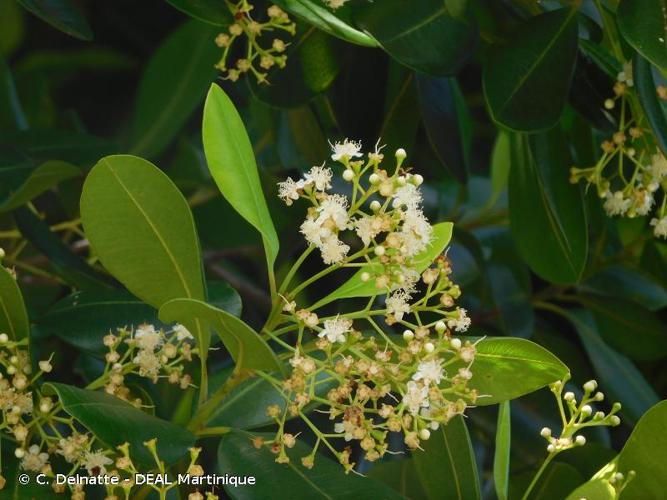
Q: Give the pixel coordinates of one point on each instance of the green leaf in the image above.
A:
(422, 35)
(14, 490)
(115, 422)
(447, 465)
(13, 316)
(643, 24)
(12, 116)
(232, 164)
(247, 348)
(547, 213)
(401, 475)
(557, 480)
(598, 489)
(402, 117)
(648, 98)
(322, 18)
(645, 452)
(629, 284)
(506, 368)
(63, 15)
(622, 380)
(501, 159)
(628, 327)
(354, 287)
(22, 183)
(172, 86)
(210, 11)
(140, 226)
(526, 79)
(602, 57)
(447, 123)
(501, 457)
(326, 480)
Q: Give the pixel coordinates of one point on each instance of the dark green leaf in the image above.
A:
(14, 490)
(401, 115)
(13, 316)
(447, 465)
(501, 457)
(401, 475)
(115, 422)
(605, 60)
(211, 11)
(447, 123)
(326, 480)
(648, 98)
(643, 23)
(172, 86)
(11, 112)
(511, 293)
(526, 79)
(556, 482)
(422, 35)
(63, 15)
(501, 159)
(547, 213)
(630, 284)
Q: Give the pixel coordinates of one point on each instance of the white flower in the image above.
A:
(416, 232)
(658, 167)
(346, 149)
(147, 337)
(462, 323)
(659, 227)
(95, 463)
(320, 176)
(616, 203)
(397, 304)
(288, 190)
(335, 4)
(72, 446)
(429, 371)
(368, 228)
(335, 329)
(334, 207)
(333, 250)
(625, 76)
(415, 397)
(313, 231)
(408, 196)
(34, 459)
(345, 427)
(148, 363)
(181, 332)
(644, 202)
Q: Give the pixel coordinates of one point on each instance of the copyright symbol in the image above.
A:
(24, 479)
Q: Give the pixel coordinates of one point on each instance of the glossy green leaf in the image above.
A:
(526, 79)
(32, 181)
(173, 84)
(12, 27)
(322, 18)
(210, 11)
(115, 422)
(12, 116)
(628, 327)
(629, 284)
(446, 466)
(645, 452)
(325, 480)
(355, 287)
(547, 213)
(14, 490)
(598, 489)
(401, 475)
(501, 457)
(557, 480)
(510, 289)
(232, 163)
(622, 380)
(602, 57)
(422, 35)
(245, 345)
(501, 159)
(643, 24)
(63, 15)
(648, 98)
(402, 116)
(13, 316)
(447, 123)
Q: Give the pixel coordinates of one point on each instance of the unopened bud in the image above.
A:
(456, 344)
(424, 434)
(440, 326)
(408, 335)
(545, 432)
(375, 205)
(590, 386)
(348, 174)
(401, 154)
(580, 440)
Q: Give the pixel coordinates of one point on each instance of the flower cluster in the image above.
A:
(260, 54)
(335, 4)
(580, 416)
(631, 175)
(370, 379)
(147, 352)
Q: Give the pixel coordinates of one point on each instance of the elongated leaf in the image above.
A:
(401, 115)
(526, 79)
(322, 18)
(645, 452)
(243, 343)
(617, 374)
(14, 490)
(643, 23)
(325, 480)
(557, 480)
(401, 475)
(501, 159)
(629, 284)
(501, 457)
(447, 465)
(447, 123)
(423, 35)
(13, 316)
(232, 164)
(648, 98)
(355, 287)
(115, 422)
(210, 11)
(603, 58)
(506, 368)
(63, 15)
(173, 84)
(11, 112)
(547, 214)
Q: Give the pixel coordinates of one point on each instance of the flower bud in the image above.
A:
(379, 250)
(440, 326)
(545, 432)
(19, 453)
(551, 448)
(4, 338)
(365, 276)
(580, 440)
(590, 386)
(586, 410)
(401, 154)
(408, 335)
(424, 434)
(374, 179)
(609, 104)
(569, 396)
(417, 179)
(429, 347)
(348, 174)
(456, 344)
(598, 396)
(614, 420)
(375, 205)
